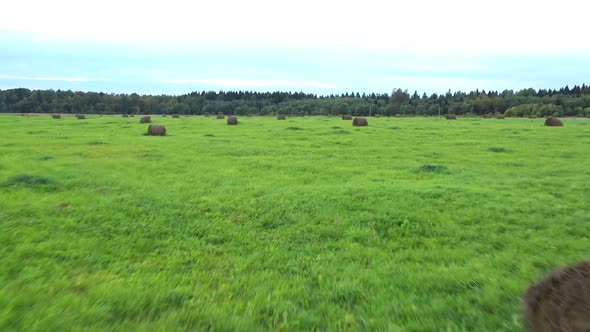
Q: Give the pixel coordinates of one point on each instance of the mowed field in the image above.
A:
(409, 224)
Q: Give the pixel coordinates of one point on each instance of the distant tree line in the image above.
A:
(528, 102)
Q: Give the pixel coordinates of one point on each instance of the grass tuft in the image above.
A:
(498, 149)
(96, 143)
(431, 168)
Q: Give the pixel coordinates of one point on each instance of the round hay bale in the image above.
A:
(156, 130)
(347, 117)
(360, 122)
(56, 116)
(500, 116)
(145, 119)
(451, 117)
(81, 116)
(220, 116)
(487, 116)
(206, 115)
(176, 116)
(378, 115)
(553, 122)
(532, 116)
(232, 121)
(125, 115)
(561, 301)
(281, 117)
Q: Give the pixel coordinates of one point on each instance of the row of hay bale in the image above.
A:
(58, 116)
(549, 122)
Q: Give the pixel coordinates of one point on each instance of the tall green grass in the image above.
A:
(409, 224)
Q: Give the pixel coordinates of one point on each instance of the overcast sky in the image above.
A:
(313, 46)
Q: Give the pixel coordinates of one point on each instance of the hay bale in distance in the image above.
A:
(377, 115)
(232, 121)
(561, 301)
(360, 122)
(175, 116)
(125, 115)
(56, 116)
(487, 116)
(500, 116)
(553, 122)
(156, 130)
(81, 116)
(220, 116)
(451, 117)
(347, 117)
(281, 117)
(145, 119)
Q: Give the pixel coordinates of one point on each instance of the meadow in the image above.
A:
(409, 224)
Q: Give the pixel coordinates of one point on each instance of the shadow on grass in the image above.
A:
(30, 181)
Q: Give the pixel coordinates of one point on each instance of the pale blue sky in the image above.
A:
(176, 47)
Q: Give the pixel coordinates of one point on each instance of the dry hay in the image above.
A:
(281, 117)
(176, 116)
(451, 117)
(377, 115)
(125, 115)
(347, 117)
(156, 130)
(206, 115)
(80, 116)
(56, 116)
(500, 116)
(360, 122)
(487, 116)
(553, 122)
(232, 121)
(561, 301)
(532, 116)
(145, 119)
(220, 116)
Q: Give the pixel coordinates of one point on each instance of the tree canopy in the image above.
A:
(528, 102)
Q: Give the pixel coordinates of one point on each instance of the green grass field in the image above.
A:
(409, 224)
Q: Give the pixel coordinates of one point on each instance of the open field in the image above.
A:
(409, 224)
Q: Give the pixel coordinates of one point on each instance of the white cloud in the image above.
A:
(48, 78)
(453, 26)
(247, 83)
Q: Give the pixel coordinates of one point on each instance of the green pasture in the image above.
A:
(409, 224)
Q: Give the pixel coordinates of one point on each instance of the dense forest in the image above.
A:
(528, 102)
